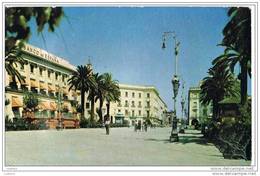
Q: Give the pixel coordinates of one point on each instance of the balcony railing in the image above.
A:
(126, 105)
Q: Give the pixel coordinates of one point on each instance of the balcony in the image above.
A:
(148, 106)
(119, 105)
(139, 106)
(133, 106)
(126, 105)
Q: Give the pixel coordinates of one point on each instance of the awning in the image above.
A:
(16, 102)
(51, 88)
(53, 106)
(42, 85)
(44, 105)
(33, 83)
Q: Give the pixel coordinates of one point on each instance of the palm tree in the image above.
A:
(237, 40)
(82, 79)
(93, 93)
(112, 91)
(101, 90)
(219, 84)
(12, 59)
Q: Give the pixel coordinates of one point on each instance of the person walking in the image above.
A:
(145, 126)
(107, 122)
(135, 125)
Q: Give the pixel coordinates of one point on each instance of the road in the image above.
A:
(82, 147)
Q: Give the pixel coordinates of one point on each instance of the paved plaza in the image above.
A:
(82, 147)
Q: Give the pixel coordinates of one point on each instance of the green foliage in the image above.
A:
(237, 43)
(30, 100)
(219, 84)
(232, 135)
(17, 22)
(24, 124)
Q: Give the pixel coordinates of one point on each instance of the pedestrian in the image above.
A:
(135, 125)
(107, 122)
(145, 126)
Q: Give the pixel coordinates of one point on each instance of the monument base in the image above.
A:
(174, 137)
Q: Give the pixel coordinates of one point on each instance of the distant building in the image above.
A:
(195, 109)
(137, 103)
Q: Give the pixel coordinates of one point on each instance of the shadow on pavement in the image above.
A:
(158, 140)
(184, 140)
(193, 139)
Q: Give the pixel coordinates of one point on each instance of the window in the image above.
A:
(31, 68)
(140, 95)
(126, 103)
(148, 104)
(126, 112)
(41, 71)
(126, 94)
(148, 95)
(49, 74)
(148, 113)
(133, 95)
(139, 113)
(87, 105)
(56, 76)
(119, 110)
(63, 78)
(133, 104)
(139, 104)
(133, 113)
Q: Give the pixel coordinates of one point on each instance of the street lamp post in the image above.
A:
(175, 83)
(182, 110)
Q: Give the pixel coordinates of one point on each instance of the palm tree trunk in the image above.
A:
(100, 110)
(215, 109)
(92, 108)
(82, 103)
(243, 82)
(108, 108)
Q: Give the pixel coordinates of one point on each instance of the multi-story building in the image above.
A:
(196, 110)
(137, 103)
(47, 76)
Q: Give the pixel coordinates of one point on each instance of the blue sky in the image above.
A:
(127, 42)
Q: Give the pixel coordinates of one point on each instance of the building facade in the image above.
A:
(45, 75)
(195, 109)
(139, 102)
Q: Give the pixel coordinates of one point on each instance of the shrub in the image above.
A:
(30, 100)
(233, 136)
